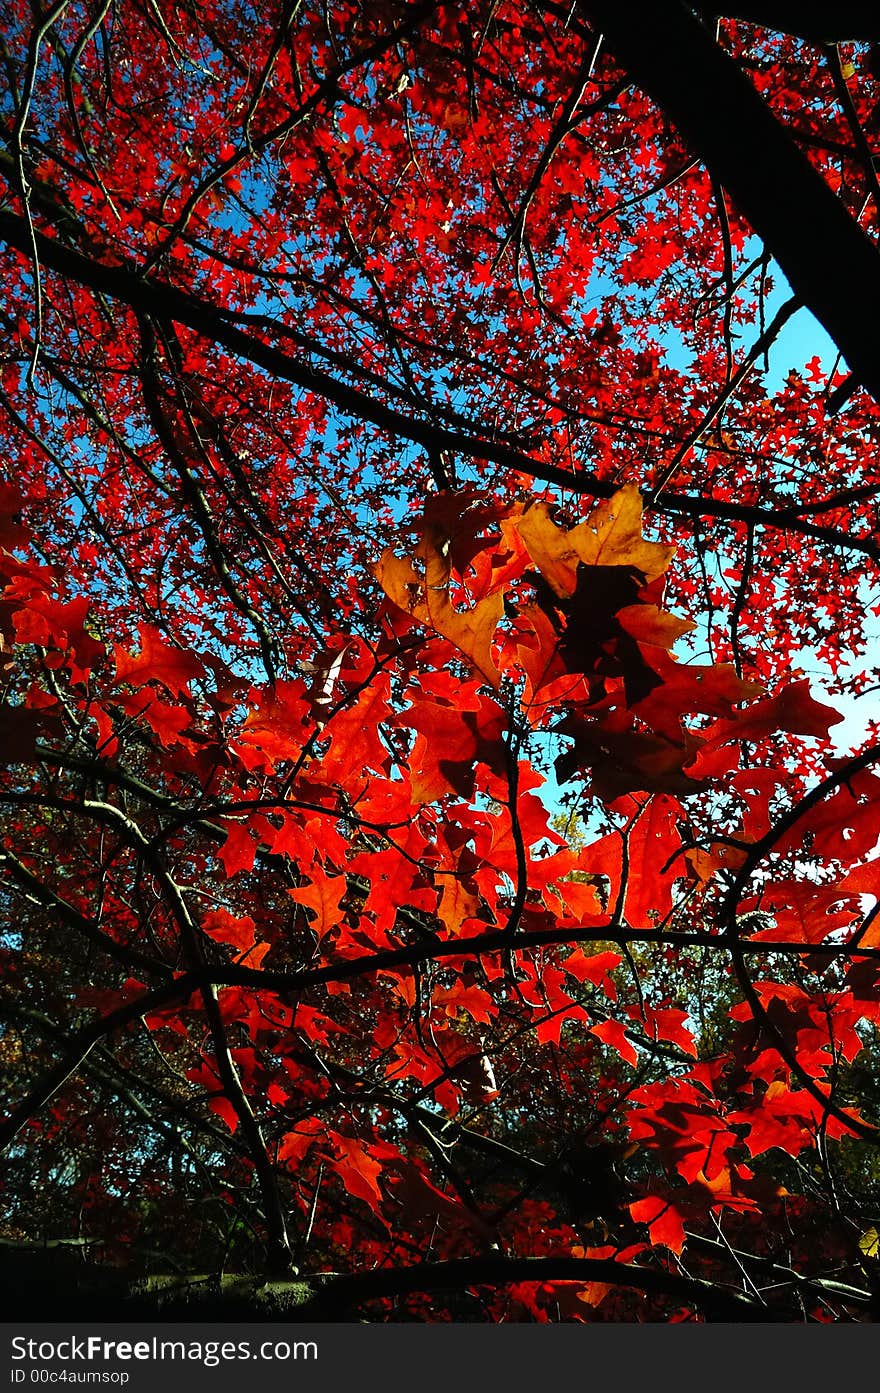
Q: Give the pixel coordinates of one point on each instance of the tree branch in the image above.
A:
(835, 269)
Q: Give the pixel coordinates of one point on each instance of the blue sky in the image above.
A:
(800, 340)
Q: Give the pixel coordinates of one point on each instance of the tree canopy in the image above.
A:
(438, 631)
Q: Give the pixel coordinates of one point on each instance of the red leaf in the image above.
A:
(158, 661)
(666, 1023)
(295, 1143)
(224, 927)
(596, 969)
(792, 709)
(664, 1222)
(357, 1169)
(612, 1033)
(239, 850)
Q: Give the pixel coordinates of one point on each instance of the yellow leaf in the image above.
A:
(869, 1243)
(423, 592)
(550, 548)
(612, 536)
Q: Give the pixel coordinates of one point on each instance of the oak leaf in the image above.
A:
(323, 895)
(158, 661)
(422, 589)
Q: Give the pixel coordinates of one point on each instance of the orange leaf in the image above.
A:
(649, 624)
(610, 536)
(423, 592)
(323, 895)
(295, 1144)
(457, 903)
(702, 863)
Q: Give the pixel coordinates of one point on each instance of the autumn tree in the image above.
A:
(433, 576)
